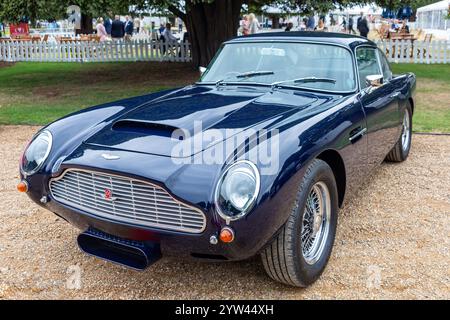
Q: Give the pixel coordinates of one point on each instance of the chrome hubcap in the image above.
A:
(316, 222)
(405, 131)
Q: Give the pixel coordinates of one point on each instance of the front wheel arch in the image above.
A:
(336, 163)
(411, 103)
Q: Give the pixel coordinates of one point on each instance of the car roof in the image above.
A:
(310, 36)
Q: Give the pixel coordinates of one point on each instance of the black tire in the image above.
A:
(399, 153)
(283, 258)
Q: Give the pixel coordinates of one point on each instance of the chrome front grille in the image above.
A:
(124, 199)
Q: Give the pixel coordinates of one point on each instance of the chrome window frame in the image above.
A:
(357, 68)
(382, 56)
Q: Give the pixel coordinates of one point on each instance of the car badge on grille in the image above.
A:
(107, 195)
(109, 156)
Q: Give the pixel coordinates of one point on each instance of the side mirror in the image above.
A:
(374, 80)
(202, 70)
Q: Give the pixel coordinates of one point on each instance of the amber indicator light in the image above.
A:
(226, 235)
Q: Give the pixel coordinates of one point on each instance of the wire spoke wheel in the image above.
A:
(300, 251)
(316, 222)
(405, 131)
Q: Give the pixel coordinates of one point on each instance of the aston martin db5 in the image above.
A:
(255, 158)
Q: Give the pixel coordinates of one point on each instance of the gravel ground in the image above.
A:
(392, 242)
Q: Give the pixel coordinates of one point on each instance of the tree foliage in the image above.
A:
(15, 10)
(209, 22)
(397, 4)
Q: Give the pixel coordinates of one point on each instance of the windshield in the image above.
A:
(273, 62)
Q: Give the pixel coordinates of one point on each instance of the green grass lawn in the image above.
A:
(37, 93)
(432, 111)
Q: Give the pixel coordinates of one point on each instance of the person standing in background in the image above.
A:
(168, 35)
(168, 38)
(363, 26)
(311, 24)
(161, 30)
(243, 28)
(128, 27)
(350, 25)
(253, 24)
(180, 25)
(323, 18)
(320, 26)
(332, 20)
(117, 29)
(344, 24)
(153, 31)
(303, 24)
(107, 24)
(289, 27)
(137, 25)
(359, 19)
(404, 28)
(101, 30)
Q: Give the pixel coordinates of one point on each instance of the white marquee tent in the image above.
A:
(368, 9)
(433, 16)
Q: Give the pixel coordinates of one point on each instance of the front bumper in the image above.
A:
(252, 232)
(171, 242)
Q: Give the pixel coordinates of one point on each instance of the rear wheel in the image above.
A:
(401, 149)
(300, 252)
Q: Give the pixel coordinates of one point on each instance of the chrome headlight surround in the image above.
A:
(225, 206)
(45, 139)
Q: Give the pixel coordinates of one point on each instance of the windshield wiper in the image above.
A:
(302, 80)
(248, 74)
(254, 74)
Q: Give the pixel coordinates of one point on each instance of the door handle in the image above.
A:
(394, 95)
(356, 134)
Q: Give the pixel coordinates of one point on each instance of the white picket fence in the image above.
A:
(407, 51)
(91, 51)
(403, 51)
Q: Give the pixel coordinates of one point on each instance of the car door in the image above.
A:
(380, 104)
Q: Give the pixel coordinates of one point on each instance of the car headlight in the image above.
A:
(237, 190)
(36, 153)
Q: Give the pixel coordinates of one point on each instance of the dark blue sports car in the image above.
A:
(254, 158)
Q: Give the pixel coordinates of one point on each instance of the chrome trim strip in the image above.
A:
(159, 209)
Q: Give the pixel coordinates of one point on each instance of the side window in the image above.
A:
(387, 73)
(367, 61)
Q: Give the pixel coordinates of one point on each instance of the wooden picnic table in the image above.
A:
(397, 37)
(86, 38)
(30, 39)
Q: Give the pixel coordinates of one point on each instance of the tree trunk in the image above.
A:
(275, 22)
(209, 25)
(86, 24)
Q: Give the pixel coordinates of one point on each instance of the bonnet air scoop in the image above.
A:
(158, 127)
(144, 127)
